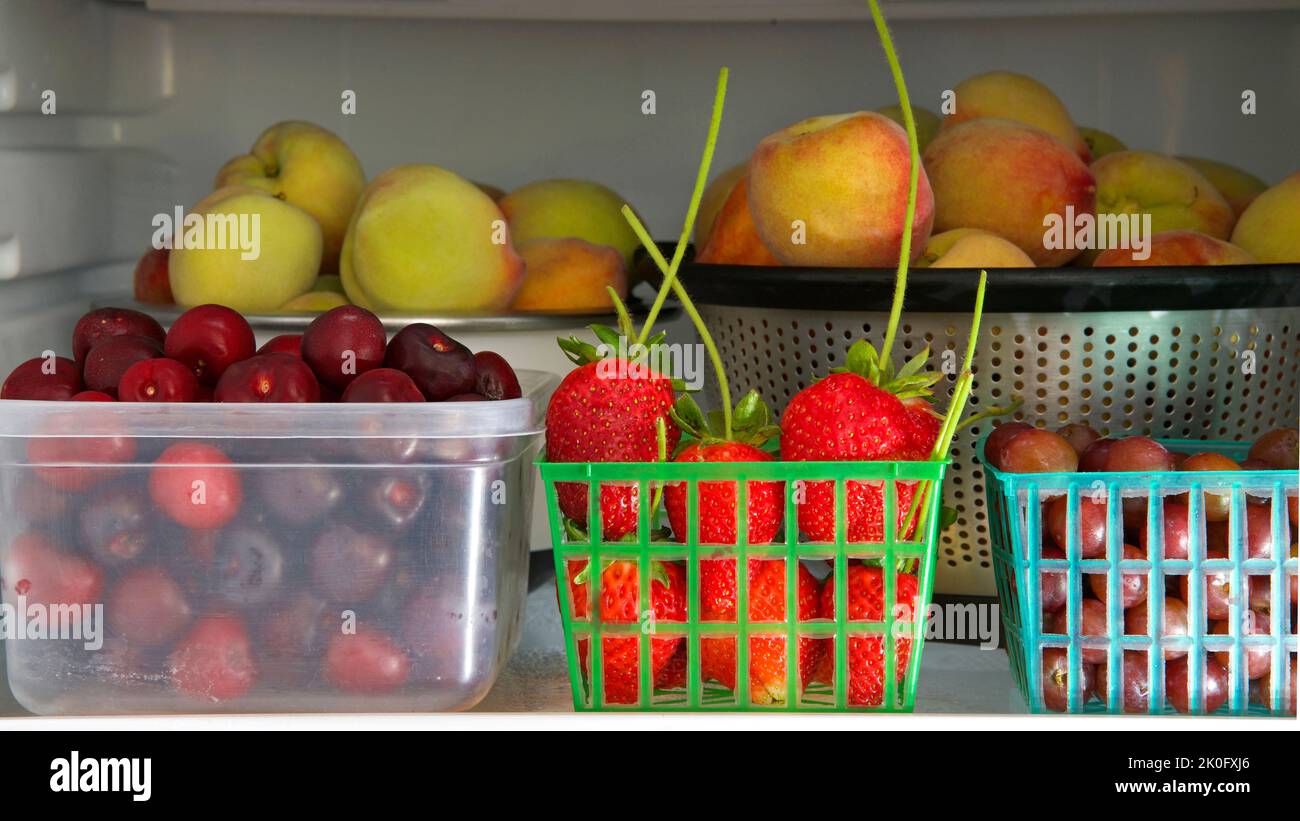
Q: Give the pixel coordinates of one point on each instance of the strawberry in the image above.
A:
(858, 413)
(767, 660)
(716, 505)
(673, 676)
(620, 603)
(866, 588)
(605, 410)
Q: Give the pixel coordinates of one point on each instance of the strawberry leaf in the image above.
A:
(947, 517)
(915, 364)
(751, 412)
(659, 573)
(688, 416)
(607, 335)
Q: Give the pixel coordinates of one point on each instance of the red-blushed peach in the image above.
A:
(1179, 247)
(151, 278)
(1238, 187)
(569, 275)
(1009, 96)
(1270, 226)
(734, 240)
(711, 201)
(553, 209)
(832, 191)
(1010, 179)
(1172, 192)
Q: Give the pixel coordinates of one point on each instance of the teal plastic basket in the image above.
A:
(587, 682)
(1016, 505)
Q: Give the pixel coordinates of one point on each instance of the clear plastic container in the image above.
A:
(264, 558)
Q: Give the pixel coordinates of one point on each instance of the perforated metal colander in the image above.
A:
(1164, 352)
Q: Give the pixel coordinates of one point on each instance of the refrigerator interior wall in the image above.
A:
(150, 104)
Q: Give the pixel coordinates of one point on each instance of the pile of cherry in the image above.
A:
(1017, 447)
(209, 354)
(248, 582)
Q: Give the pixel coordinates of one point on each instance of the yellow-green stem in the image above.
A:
(714, 357)
(913, 179)
(701, 179)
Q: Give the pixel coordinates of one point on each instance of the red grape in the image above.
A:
(1175, 623)
(1132, 586)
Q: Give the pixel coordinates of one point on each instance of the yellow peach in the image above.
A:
(1010, 96)
(1100, 143)
(1238, 187)
(927, 122)
(569, 275)
(1172, 192)
(553, 209)
(972, 248)
(1179, 247)
(1270, 226)
(715, 194)
(307, 166)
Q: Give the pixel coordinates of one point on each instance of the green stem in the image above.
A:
(913, 178)
(990, 412)
(701, 180)
(714, 357)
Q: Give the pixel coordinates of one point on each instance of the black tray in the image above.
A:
(1010, 290)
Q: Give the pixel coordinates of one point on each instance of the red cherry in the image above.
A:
(37, 568)
(383, 385)
(147, 607)
(93, 396)
(214, 661)
(440, 366)
(152, 278)
(495, 378)
(196, 485)
(158, 380)
(367, 661)
(343, 343)
(268, 377)
(54, 379)
(63, 459)
(105, 323)
(209, 339)
(348, 565)
(284, 343)
(110, 359)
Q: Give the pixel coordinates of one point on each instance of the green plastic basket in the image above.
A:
(1017, 522)
(696, 694)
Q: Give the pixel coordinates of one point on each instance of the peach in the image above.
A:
(307, 166)
(1172, 192)
(734, 239)
(425, 239)
(1270, 226)
(972, 248)
(151, 280)
(927, 122)
(1010, 179)
(832, 191)
(315, 302)
(1100, 143)
(569, 275)
(715, 194)
(1009, 96)
(491, 190)
(1180, 247)
(1237, 187)
(280, 263)
(553, 209)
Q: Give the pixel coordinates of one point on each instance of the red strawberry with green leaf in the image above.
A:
(767, 661)
(858, 413)
(716, 504)
(607, 410)
(620, 603)
(866, 588)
